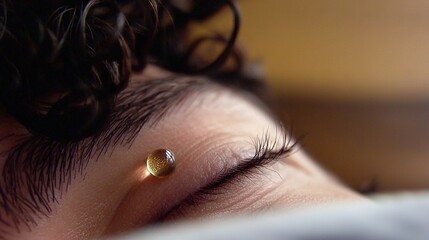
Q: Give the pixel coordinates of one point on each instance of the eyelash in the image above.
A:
(266, 154)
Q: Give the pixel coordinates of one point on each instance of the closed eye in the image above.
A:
(266, 154)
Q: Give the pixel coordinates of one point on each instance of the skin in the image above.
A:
(209, 131)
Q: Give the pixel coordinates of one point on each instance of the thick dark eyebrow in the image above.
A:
(38, 170)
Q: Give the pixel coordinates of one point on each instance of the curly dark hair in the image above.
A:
(63, 62)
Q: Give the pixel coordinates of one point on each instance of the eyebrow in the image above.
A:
(38, 170)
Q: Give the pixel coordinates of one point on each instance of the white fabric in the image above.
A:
(402, 218)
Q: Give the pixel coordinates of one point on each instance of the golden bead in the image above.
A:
(161, 162)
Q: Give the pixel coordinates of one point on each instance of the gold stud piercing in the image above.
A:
(161, 162)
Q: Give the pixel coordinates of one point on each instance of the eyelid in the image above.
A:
(266, 154)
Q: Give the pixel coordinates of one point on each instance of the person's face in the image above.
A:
(232, 158)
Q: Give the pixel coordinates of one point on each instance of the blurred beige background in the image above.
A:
(353, 77)
(342, 49)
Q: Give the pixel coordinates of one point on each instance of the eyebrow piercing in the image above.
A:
(161, 162)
